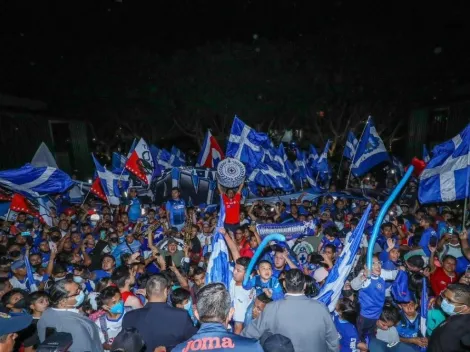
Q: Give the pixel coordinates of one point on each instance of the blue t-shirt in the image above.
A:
(372, 298)
(100, 274)
(134, 210)
(336, 242)
(425, 238)
(176, 209)
(259, 285)
(348, 336)
(408, 329)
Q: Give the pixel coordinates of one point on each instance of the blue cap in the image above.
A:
(17, 264)
(10, 325)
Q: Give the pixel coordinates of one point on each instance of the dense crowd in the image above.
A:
(134, 278)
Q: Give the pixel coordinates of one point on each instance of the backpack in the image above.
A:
(399, 288)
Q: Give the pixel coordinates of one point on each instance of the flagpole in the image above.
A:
(84, 199)
(340, 163)
(355, 151)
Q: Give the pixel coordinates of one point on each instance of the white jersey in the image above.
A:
(113, 328)
(241, 299)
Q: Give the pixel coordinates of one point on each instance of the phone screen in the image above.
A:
(168, 261)
(433, 241)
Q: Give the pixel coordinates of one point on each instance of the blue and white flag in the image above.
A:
(321, 167)
(312, 156)
(29, 274)
(424, 309)
(287, 164)
(166, 160)
(218, 267)
(110, 182)
(267, 176)
(426, 156)
(45, 210)
(398, 166)
(34, 182)
(350, 147)
(118, 161)
(331, 291)
(246, 145)
(179, 155)
(446, 176)
(370, 151)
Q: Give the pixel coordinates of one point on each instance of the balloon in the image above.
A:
(383, 212)
(259, 251)
(419, 166)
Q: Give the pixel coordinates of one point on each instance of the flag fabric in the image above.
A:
(140, 162)
(301, 172)
(218, 267)
(426, 156)
(110, 182)
(45, 210)
(35, 181)
(398, 166)
(446, 176)
(370, 151)
(20, 204)
(133, 145)
(350, 147)
(43, 157)
(166, 160)
(158, 170)
(78, 192)
(4, 196)
(321, 167)
(118, 161)
(312, 156)
(331, 290)
(245, 144)
(287, 164)
(29, 274)
(179, 155)
(424, 308)
(97, 189)
(211, 153)
(265, 175)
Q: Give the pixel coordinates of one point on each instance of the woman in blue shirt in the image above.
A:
(344, 318)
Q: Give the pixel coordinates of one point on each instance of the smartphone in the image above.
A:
(168, 261)
(433, 241)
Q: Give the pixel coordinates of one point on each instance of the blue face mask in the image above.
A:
(118, 308)
(448, 307)
(78, 279)
(79, 299)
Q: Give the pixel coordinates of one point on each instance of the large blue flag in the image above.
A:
(179, 155)
(446, 176)
(321, 167)
(118, 161)
(370, 151)
(218, 267)
(331, 291)
(34, 182)
(265, 175)
(246, 145)
(350, 147)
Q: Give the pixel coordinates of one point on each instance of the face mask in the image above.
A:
(55, 239)
(78, 279)
(79, 299)
(21, 304)
(187, 306)
(102, 235)
(44, 265)
(118, 308)
(448, 307)
(347, 293)
(114, 239)
(14, 254)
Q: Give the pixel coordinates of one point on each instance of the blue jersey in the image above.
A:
(336, 242)
(348, 336)
(176, 210)
(372, 298)
(425, 238)
(408, 329)
(259, 285)
(214, 337)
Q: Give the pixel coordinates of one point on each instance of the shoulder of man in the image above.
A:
(202, 342)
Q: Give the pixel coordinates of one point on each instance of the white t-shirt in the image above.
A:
(241, 299)
(113, 329)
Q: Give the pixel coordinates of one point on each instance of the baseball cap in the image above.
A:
(10, 325)
(276, 343)
(128, 340)
(17, 264)
(320, 274)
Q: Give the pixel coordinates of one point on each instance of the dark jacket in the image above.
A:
(214, 337)
(453, 335)
(160, 325)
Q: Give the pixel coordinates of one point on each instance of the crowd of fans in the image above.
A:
(134, 279)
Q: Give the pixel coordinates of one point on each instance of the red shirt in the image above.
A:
(440, 280)
(232, 209)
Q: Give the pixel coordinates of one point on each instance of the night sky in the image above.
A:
(49, 47)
